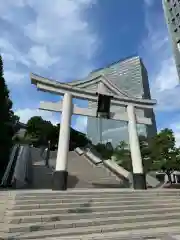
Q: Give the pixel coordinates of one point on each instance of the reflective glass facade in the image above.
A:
(131, 77)
(172, 17)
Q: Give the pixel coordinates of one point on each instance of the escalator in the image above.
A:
(8, 175)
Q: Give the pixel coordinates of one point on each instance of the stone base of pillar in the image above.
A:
(59, 180)
(139, 181)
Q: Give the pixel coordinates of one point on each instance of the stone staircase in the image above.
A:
(82, 173)
(90, 214)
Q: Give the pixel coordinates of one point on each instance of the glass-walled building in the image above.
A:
(172, 17)
(131, 77)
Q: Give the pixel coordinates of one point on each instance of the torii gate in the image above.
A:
(106, 95)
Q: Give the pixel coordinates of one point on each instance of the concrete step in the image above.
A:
(84, 169)
(74, 216)
(83, 199)
(98, 193)
(36, 232)
(89, 209)
(81, 214)
(28, 227)
(91, 204)
(160, 233)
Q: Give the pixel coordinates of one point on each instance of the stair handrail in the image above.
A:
(13, 155)
(21, 171)
(119, 171)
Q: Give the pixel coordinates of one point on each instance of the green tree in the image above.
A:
(78, 139)
(39, 130)
(145, 153)
(164, 153)
(6, 117)
(123, 155)
(105, 150)
(15, 126)
(54, 134)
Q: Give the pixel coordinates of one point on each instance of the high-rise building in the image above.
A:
(131, 78)
(172, 17)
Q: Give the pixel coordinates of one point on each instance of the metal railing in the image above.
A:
(22, 175)
(119, 171)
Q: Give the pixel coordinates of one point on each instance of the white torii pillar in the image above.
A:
(139, 178)
(60, 175)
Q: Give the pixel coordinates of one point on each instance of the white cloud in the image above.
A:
(56, 39)
(13, 77)
(26, 113)
(8, 6)
(112, 130)
(167, 77)
(156, 48)
(61, 29)
(41, 57)
(10, 53)
(149, 2)
(176, 129)
(168, 100)
(81, 124)
(59, 36)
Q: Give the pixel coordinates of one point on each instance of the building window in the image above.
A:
(171, 12)
(178, 45)
(173, 22)
(175, 30)
(178, 17)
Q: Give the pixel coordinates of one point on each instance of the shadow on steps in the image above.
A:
(42, 178)
(72, 181)
(106, 185)
(172, 186)
(83, 208)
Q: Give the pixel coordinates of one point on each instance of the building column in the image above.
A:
(60, 176)
(139, 178)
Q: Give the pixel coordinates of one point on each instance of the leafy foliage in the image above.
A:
(158, 153)
(7, 121)
(78, 139)
(164, 153)
(41, 131)
(123, 155)
(106, 150)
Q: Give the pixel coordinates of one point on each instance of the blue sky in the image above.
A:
(66, 39)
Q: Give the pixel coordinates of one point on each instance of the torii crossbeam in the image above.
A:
(83, 90)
